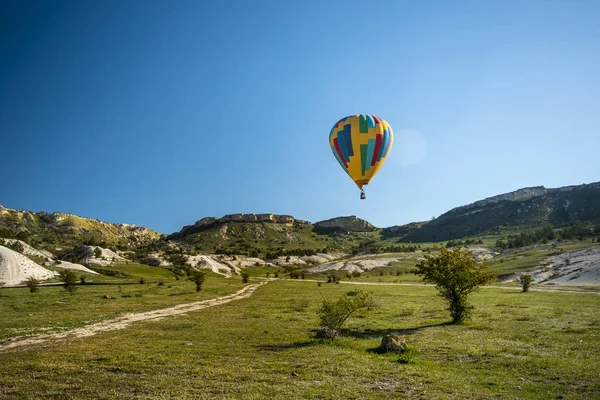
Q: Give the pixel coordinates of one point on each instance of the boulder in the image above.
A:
(326, 333)
(393, 343)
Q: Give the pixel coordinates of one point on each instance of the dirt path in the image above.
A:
(126, 320)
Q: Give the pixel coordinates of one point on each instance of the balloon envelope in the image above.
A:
(361, 144)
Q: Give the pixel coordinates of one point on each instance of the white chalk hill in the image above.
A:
(16, 268)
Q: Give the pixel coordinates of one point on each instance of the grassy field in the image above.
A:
(53, 309)
(518, 345)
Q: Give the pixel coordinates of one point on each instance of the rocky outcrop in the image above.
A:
(517, 195)
(94, 255)
(276, 219)
(346, 224)
(209, 222)
(70, 229)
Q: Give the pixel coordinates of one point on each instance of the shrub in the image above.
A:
(526, 281)
(97, 252)
(333, 314)
(198, 278)
(455, 274)
(245, 277)
(69, 278)
(32, 284)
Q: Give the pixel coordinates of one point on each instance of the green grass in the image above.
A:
(262, 347)
(52, 308)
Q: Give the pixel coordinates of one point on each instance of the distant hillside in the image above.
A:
(48, 231)
(270, 235)
(526, 208)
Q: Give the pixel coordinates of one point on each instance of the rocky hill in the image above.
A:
(270, 235)
(344, 224)
(526, 208)
(49, 231)
(211, 222)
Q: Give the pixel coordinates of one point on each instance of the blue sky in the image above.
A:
(159, 113)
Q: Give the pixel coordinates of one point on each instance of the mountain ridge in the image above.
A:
(525, 208)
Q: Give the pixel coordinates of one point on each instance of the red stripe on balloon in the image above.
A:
(378, 140)
(339, 151)
(377, 120)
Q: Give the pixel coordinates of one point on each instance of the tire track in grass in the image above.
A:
(128, 319)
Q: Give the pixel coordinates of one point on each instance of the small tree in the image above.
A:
(198, 278)
(69, 278)
(245, 277)
(455, 274)
(526, 281)
(32, 284)
(333, 314)
(97, 252)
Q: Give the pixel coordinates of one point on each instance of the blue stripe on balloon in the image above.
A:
(342, 142)
(370, 121)
(370, 151)
(386, 139)
(337, 157)
(348, 139)
(388, 144)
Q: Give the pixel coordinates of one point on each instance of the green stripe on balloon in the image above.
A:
(363, 157)
(364, 125)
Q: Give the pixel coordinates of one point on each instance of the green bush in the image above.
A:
(333, 314)
(69, 279)
(245, 277)
(455, 274)
(526, 281)
(32, 284)
(198, 277)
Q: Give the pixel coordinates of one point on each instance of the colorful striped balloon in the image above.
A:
(361, 144)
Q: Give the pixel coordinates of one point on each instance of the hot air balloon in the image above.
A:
(361, 144)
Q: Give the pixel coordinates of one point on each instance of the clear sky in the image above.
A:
(159, 113)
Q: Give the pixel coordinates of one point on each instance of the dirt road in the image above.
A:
(126, 320)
